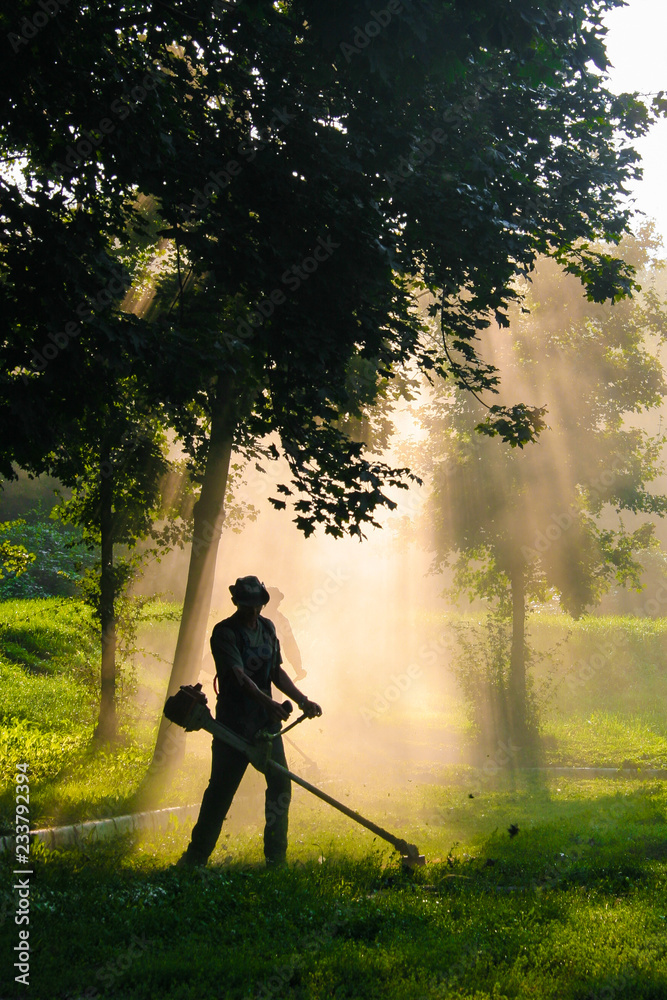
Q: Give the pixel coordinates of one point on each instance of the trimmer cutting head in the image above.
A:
(411, 861)
(410, 856)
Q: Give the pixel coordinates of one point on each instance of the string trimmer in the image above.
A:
(188, 708)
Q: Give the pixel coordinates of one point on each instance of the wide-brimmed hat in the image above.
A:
(249, 592)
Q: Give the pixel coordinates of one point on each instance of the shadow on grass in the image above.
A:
(624, 983)
(79, 791)
(55, 644)
(345, 928)
(522, 840)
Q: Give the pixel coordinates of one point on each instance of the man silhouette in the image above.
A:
(247, 658)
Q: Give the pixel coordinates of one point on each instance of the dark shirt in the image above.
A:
(256, 652)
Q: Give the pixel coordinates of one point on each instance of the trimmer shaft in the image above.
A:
(188, 708)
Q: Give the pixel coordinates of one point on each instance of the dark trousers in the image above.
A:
(227, 768)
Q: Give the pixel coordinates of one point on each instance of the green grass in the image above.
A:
(49, 680)
(604, 739)
(574, 907)
(49, 635)
(617, 663)
(47, 651)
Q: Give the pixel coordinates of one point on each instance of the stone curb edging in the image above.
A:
(101, 829)
(157, 819)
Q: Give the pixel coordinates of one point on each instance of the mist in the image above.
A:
(375, 621)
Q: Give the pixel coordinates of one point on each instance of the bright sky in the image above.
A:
(636, 49)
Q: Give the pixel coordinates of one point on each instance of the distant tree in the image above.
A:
(115, 467)
(518, 525)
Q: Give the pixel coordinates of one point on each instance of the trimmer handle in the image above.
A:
(292, 724)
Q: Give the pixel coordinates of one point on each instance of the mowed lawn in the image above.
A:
(537, 885)
(574, 905)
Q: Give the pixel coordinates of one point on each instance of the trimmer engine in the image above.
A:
(181, 705)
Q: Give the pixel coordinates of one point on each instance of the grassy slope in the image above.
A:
(49, 655)
(605, 705)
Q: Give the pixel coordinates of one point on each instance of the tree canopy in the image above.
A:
(308, 186)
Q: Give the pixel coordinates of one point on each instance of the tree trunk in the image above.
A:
(106, 725)
(517, 679)
(207, 528)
